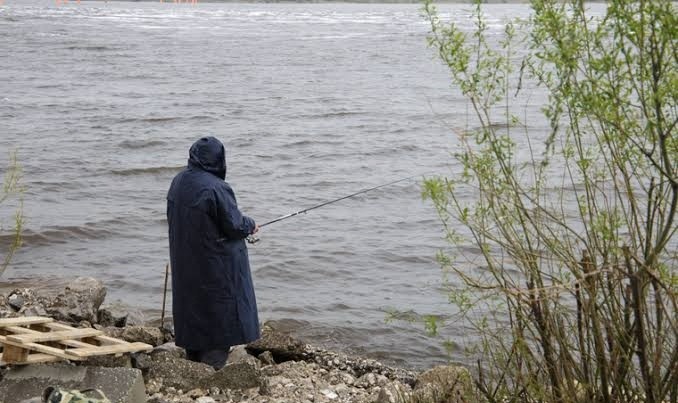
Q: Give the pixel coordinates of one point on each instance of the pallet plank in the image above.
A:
(104, 339)
(38, 347)
(14, 354)
(20, 344)
(24, 321)
(35, 358)
(24, 330)
(53, 336)
(114, 349)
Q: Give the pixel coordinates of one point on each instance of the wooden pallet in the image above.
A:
(35, 339)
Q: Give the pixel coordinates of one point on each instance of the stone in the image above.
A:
(105, 318)
(79, 301)
(177, 373)
(168, 331)
(144, 334)
(120, 315)
(35, 310)
(266, 358)
(113, 331)
(205, 399)
(158, 398)
(394, 392)
(329, 394)
(240, 354)
(141, 361)
(170, 348)
(239, 375)
(282, 346)
(195, 393)
(366, 381)
(446, 384)
(341, 389)
(16, 301)
(109, 361)
(120, 385)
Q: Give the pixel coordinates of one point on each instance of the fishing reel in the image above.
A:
(251, 239)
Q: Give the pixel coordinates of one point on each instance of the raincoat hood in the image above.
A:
(209, 155)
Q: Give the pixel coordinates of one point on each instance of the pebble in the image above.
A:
(329, 394)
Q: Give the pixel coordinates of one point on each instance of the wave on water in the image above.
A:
(136, 144)
(160, 119)
(92, 48)
(148, 171)
(149, 120)
(338, 114)
(62, 234)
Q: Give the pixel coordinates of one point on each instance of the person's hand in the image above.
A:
(256, 229)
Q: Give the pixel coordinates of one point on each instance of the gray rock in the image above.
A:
(266, 358)
(35, 310)
(170, 348)
(329, 394)
(120, 315)
(367, 381)
(282, 346)
(141, 361)
(113, 331)
(394, 392)
(121, 385)
(16, 301)
(240, 354)
(176, 372)
(144, 334)
(239, 375)
(158, 398)
(109, 361)
(79, 301)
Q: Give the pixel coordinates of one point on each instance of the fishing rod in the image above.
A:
(252, 239)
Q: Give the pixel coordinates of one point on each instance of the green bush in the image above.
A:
(573, 297)
(11, 188)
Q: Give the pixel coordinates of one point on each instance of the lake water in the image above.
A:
(313, 101)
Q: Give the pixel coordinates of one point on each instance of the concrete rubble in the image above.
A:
(275, 369)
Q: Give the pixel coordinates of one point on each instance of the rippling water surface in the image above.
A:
(313, 102)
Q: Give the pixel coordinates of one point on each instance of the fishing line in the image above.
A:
(252, 239)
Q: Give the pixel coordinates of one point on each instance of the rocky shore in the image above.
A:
(275, 369)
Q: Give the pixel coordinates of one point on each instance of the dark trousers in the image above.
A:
(215, 358)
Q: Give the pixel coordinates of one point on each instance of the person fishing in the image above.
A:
(213, 301)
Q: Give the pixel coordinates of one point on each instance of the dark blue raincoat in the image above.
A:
(213, 296)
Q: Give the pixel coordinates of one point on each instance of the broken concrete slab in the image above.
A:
(120, 385)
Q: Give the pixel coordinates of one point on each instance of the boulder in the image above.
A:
(111, 331)
(109, 361)
(144, 334)
(120, 385)
(34, 310)
(240, 354)
(170, 348)
(119, 315)
(282, 346)
(239, 375)
(16, 301)
(444, 384)
(175, 372)
(79, 301)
